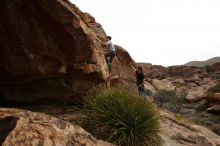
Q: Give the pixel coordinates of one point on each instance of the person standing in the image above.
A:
(140, 79)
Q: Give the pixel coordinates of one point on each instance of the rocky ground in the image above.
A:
(174, 130)
(179, 132)
(22, 128)
(196, 113)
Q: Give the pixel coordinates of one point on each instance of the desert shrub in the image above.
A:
(214, 89)
(169, 100)
(121, 117)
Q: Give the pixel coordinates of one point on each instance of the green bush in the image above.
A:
(214, 89)
(123, 118)
(169, 100)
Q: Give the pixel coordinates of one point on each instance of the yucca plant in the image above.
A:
(121, 117)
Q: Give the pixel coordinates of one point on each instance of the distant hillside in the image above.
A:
(203, 63)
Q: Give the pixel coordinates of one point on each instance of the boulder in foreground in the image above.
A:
(25, 128)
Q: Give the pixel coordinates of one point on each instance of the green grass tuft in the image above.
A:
(123, 118)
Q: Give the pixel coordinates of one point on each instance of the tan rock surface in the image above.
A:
(213, 97)
(156, 71)
(197, 93)
(214, 102)
(163, 84)
(182, 133)
(122, 69)
(149, 87)
(25, 128)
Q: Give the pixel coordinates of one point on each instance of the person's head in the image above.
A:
(109, 38)
(139, 68)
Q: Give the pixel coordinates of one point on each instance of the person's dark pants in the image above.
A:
(109, 58)
(141, 90)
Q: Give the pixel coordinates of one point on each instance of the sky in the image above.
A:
(161, 32)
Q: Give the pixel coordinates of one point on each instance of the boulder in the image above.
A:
(149, 87)
(214, 108)
(215, 97)
(145, 66)
(196, 93)
(49, 49)
(178, 82)
(121, 68)
(193, 78)
(24, 128)
(163, 84)
(214, 102)
(179, 132)
(208, 81)
(157, 71)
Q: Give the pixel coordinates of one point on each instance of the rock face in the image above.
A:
(190, 81)
(163, 84)
(122, 73)
(49, 49)
(180, 133)
(145, 66)
(214, 102)
(154, 71)
(198, 92)
(23, 128)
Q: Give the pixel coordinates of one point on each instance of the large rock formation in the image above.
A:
(191, 81)
(25, 128)
(48, 49)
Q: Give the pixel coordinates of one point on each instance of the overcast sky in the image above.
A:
(164, 32)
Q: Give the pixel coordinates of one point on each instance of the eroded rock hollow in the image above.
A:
(48, 49)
